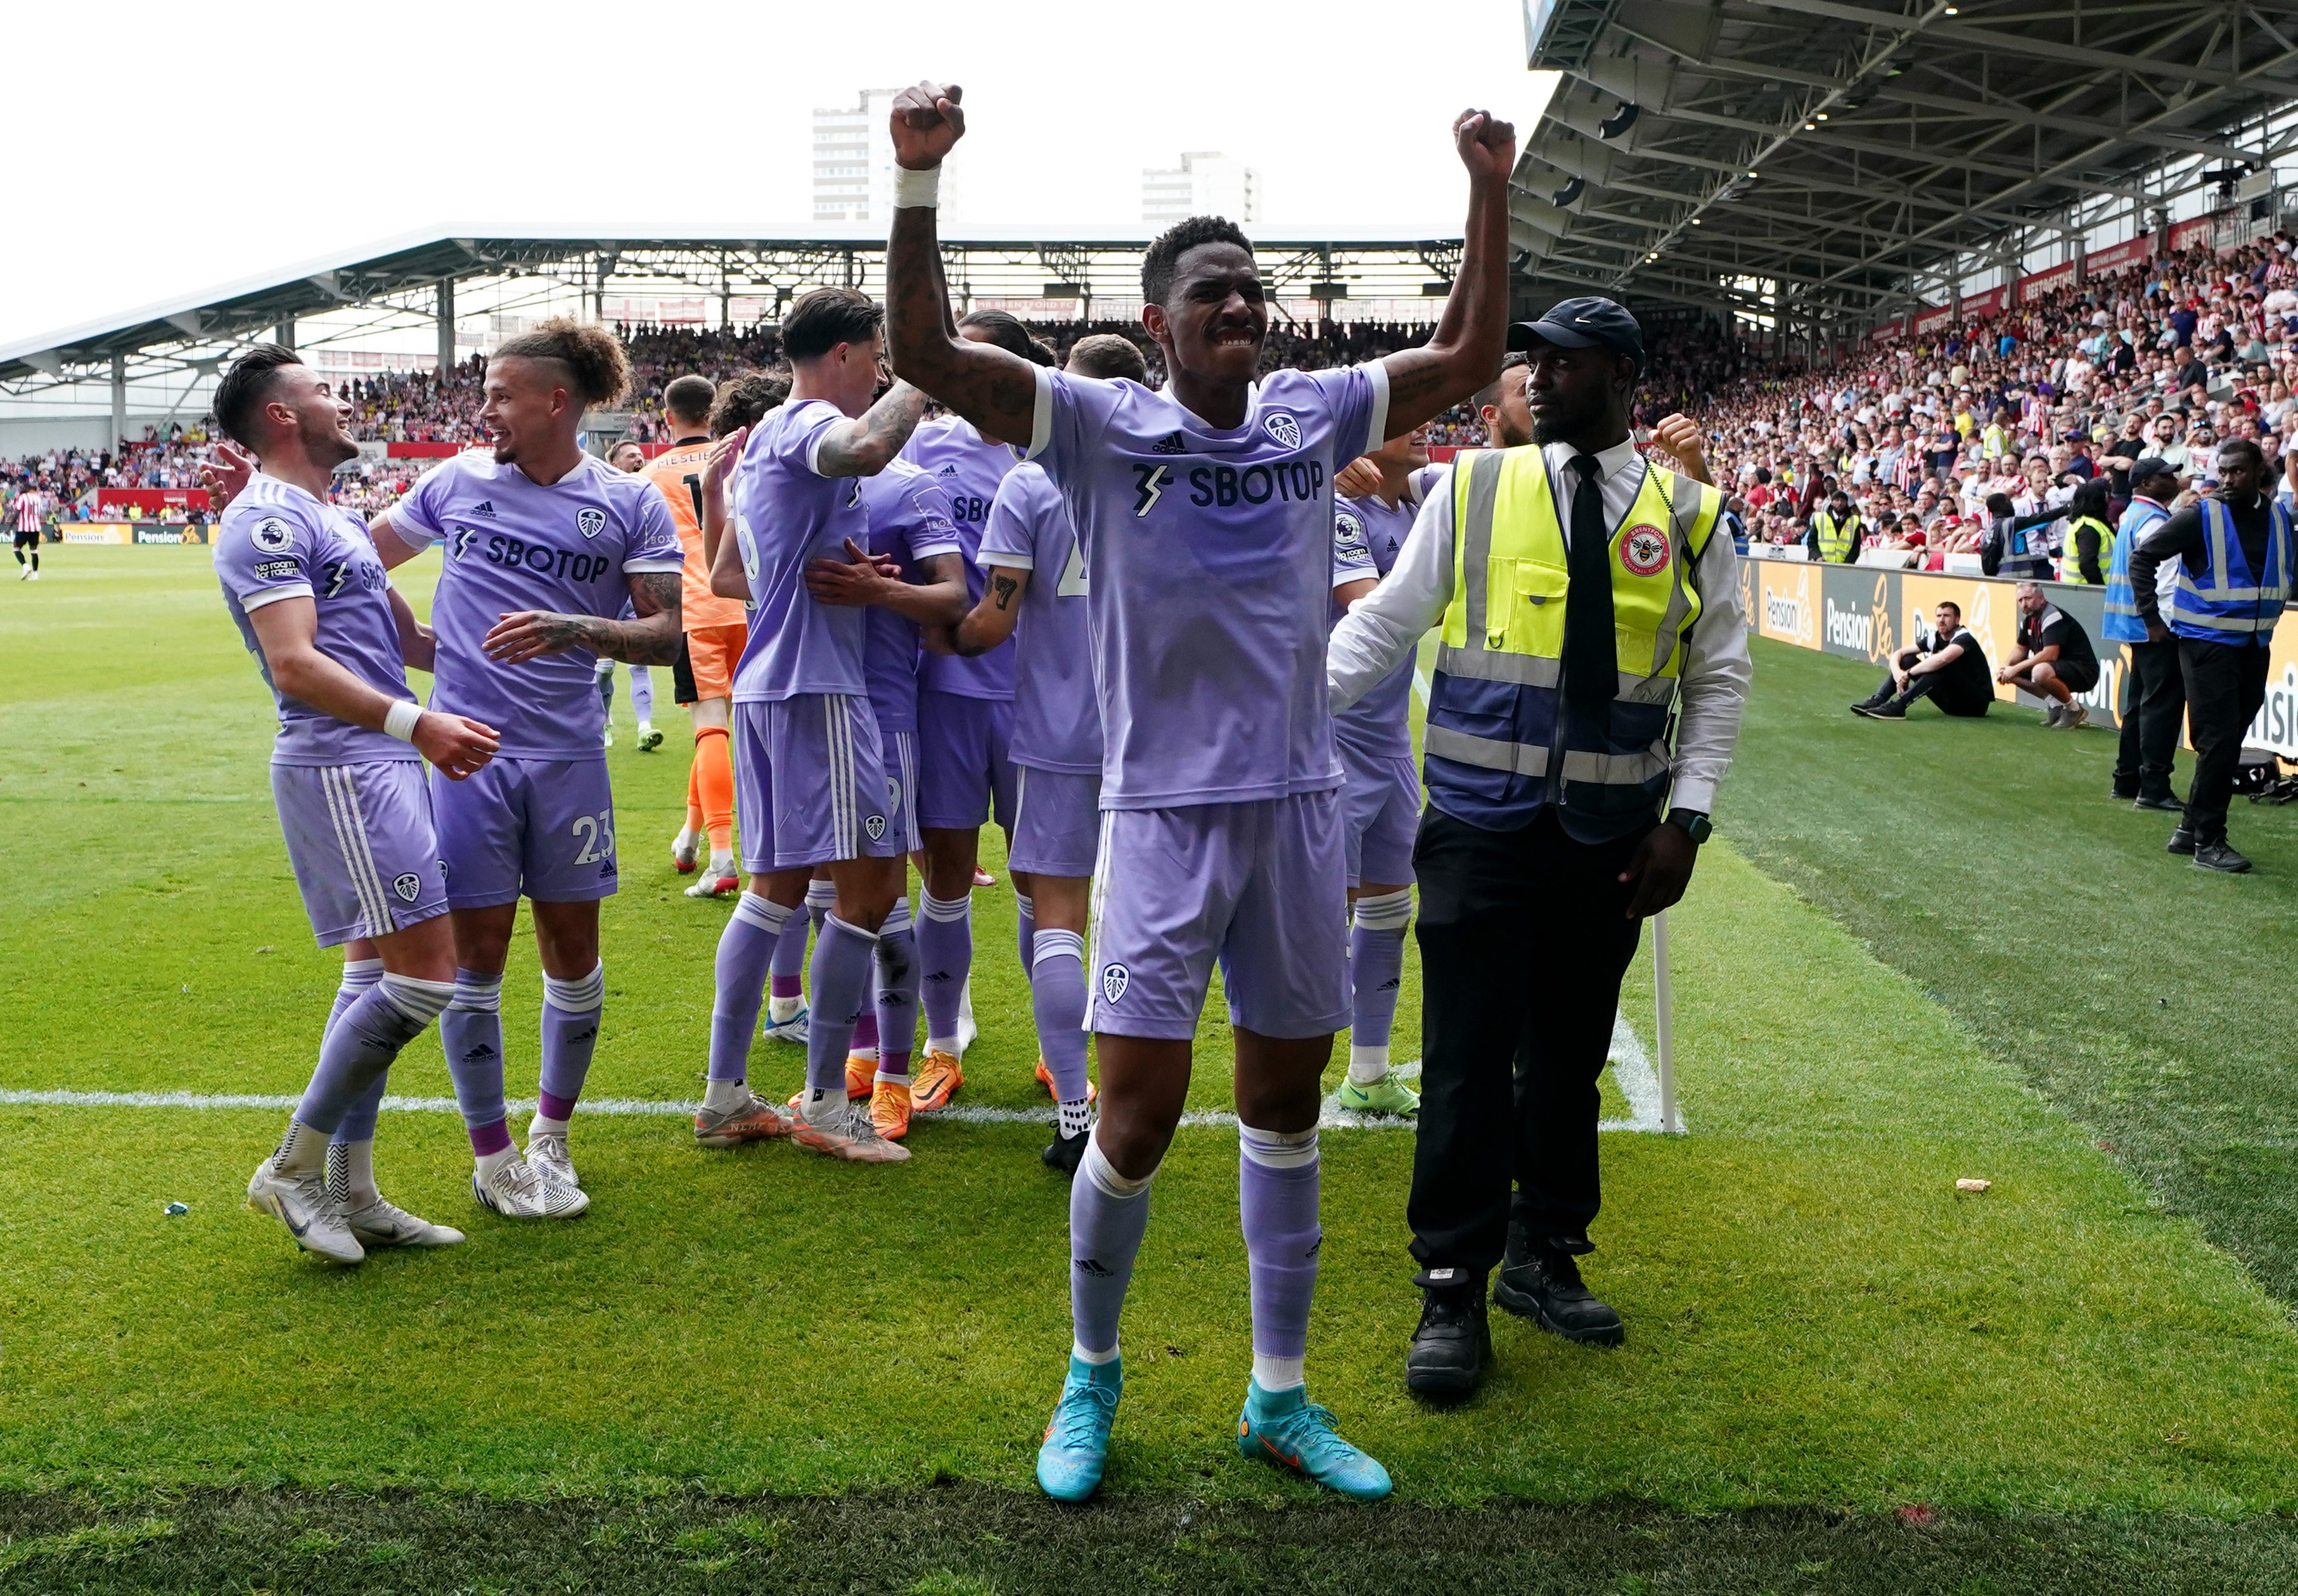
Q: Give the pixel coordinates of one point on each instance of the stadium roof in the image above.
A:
(1847, 151)
(401, 277)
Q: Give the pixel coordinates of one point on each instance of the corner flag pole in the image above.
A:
(1663, 1008)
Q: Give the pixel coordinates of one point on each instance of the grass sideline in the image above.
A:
(2147, 999)
(1819, 1327)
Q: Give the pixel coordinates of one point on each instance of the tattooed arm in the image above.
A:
(991, 622)
(1463, 353)
(651, 639)
(996, 390)
(866, 445)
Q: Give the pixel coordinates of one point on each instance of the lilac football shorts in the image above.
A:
(537, 827)
(900, 749)
(963, 766)
(1056, 822)
(363, 847)
(1261, 886)
(810, 784)
(1381, 796)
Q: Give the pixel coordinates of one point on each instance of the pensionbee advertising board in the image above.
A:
(1861, 614)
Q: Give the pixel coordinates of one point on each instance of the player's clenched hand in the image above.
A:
(926, 123)
(529, 633)
(226, 477)
(1358, 478)
(1487, 144)
(724, 455)
(456, 744)
(1681, 436)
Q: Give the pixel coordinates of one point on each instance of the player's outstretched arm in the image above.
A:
(996, 390)
(288, 632)
(651, 639)
(390, 546)
(1465, 352)
(992, 621)
(866, 445)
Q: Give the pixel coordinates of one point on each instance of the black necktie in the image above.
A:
(1592, 655)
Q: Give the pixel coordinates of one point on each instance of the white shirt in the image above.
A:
(1388, 622)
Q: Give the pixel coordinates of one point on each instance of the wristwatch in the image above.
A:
(1693, 824)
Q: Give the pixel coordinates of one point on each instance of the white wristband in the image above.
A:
(913, 189)
(399, 720)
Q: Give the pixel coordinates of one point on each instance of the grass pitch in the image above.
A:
(1822, 1333)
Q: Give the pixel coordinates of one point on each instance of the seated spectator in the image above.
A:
(2054, 658)
(1946, 665)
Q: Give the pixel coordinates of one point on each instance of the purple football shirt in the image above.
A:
(277, 541)
(1056, 715)
(1209, 556)
(969, 468)
(1366, 536)
(788, 515)
(512, 544)
(909, 521)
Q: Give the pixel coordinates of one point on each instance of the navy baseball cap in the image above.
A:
(2152, 465)
(1591, 323)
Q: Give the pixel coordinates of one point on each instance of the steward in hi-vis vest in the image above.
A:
(1584, 704)
(2156, 706)
(2228, 562)
(1835, 532)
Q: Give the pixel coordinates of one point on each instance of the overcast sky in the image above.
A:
(158, 151)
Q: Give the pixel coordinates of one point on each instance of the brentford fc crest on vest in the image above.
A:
(1643, 550)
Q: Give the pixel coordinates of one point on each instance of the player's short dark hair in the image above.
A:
(821, 320)
(245, 387)
(1042, 353)
(1948, 604)
(598, 368)
(1164, 253)
(742, 400)
(689, 398)
(1110, 356)
(1004, 329)
(1490, 393)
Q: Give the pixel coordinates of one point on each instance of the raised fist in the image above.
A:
(1487, 144)
(926, 123)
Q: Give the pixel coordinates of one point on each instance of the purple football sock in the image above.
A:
(1025, 934)
(843, 956)
(751, 941)
(893, 1024)
(472, 1035)
(1277, 1188)
(945, 959)
(1108, 1214)
(789, 957)
(361, 1044)
(1376, 966)
(360, 976)
(570, 1036)
(1057, 998)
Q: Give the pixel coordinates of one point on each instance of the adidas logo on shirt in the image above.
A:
(486, 508)
(1171, 443)
(949, 471)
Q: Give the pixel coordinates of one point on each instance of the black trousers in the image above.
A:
(1952, 698)
(1524, 939)
(2226, 687)
(2153, 706)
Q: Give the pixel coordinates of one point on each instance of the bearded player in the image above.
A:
(1036, 594)
(312, 602)
(1205, 514)
(810, 784)
(545, 544)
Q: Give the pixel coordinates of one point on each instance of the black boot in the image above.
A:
(1454, 1341)
(2182, 840)
(1065, 1153)
(2162, 800)
(1542, 1284)
(2220, 856)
